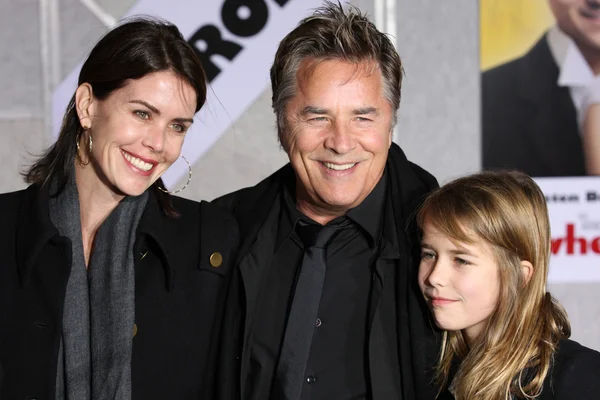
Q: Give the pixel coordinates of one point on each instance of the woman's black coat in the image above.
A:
(179, 297)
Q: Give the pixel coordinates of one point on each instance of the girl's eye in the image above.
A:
(142, 114)
(427, 255)
(461, 261)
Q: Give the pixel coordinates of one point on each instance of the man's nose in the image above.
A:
(341, 140)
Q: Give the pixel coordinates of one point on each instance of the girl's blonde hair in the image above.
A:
(514, 352)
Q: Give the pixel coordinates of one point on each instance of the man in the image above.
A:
(541, 112)
(341, 319)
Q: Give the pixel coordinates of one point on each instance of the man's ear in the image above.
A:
(84, 104)
(527, 270)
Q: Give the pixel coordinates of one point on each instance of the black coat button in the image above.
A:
(311, 379)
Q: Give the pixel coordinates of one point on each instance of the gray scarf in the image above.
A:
(99, 310)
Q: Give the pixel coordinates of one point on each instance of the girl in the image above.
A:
(483, 271)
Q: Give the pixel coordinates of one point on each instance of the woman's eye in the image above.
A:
(142, 114)
(427, 255)
(179, 128)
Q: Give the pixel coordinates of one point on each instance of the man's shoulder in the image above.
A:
(413, 178)
(428, 181)
(230, 200)
(250, 197)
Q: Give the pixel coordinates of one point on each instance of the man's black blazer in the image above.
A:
(529, 123)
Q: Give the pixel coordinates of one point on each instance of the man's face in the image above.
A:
(337, 134)
(580, 19)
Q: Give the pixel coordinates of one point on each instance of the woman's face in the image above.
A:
(137, 131)
(460, 281)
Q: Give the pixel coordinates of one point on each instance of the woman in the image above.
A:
(483, 271)
(110, 288)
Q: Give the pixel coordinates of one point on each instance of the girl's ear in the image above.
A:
(527, 270)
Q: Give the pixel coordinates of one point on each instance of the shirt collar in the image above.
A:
(574, 69)
(367, 215)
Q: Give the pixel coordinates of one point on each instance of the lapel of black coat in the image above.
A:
(44, 263)
(554, 131)
(38, 240)
(386, 380)
(257, 212)
(163, 233)
(418, 343)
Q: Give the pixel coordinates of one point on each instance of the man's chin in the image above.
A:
(340, 204)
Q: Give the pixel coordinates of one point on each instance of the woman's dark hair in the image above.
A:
(137, 47)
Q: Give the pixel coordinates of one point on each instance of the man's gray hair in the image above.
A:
(333, 33)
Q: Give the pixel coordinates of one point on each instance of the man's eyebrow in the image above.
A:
(364, 111)
(314, 110)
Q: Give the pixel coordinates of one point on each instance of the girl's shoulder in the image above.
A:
(575, 373)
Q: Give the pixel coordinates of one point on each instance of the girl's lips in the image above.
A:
(440, 301)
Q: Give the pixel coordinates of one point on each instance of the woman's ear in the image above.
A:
(527, 270)
(84, 104)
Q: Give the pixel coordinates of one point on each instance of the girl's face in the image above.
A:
(460, 281)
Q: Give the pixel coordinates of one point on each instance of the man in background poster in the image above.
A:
(541, 112)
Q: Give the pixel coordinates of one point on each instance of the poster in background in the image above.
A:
(533, 80)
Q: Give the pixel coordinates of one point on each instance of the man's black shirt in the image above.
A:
(337, 366)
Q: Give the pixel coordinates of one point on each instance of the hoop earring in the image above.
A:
(184, 186)
(90, 146)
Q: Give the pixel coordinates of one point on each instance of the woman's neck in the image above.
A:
(96, 202)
